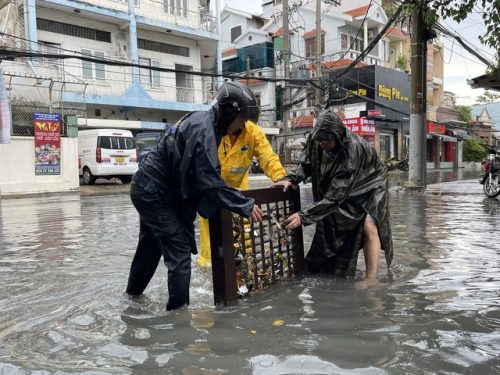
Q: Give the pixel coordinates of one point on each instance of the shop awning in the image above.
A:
(444, 138)
(460, 134)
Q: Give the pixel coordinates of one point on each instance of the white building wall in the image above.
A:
(231, 21)
(251, 38)
(267, 93)
(17, 161)
(167, 90)
(161, 10)
(117, 79)
(110, 4)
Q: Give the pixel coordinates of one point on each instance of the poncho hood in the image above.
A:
(330, 126)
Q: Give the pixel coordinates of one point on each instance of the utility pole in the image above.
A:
(218, 51)
(418, 141)
(286, 84)
(248, 69)
(319, 96)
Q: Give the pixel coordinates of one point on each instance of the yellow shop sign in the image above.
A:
(391, 93)
(358, 91)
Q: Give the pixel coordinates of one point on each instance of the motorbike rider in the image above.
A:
(180, 177)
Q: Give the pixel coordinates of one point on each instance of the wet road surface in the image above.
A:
(64, 264)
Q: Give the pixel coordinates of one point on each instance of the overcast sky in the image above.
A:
(459, 65)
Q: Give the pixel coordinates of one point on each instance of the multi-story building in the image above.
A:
(483, 126)
(174, 37)
(248, 51)
(346, 28)
(342, 41)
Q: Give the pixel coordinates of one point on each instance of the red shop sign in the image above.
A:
(435, 128)
(360, 125)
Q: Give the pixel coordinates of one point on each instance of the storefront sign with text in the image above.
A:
(391, 93)
(435, 128)
(360, 126)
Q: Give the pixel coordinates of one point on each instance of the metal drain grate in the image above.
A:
(247, 256)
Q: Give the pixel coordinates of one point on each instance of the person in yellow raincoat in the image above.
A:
(235, 154)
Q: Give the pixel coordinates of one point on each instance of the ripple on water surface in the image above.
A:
(64, 265)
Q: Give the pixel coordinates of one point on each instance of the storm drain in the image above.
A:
(249, 257)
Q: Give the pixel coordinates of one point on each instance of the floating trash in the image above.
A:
(252, 256)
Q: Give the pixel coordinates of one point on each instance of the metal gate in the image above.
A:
(247, 256)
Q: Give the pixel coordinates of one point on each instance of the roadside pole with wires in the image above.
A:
(319, 96)
(286, 83)
(418, 107)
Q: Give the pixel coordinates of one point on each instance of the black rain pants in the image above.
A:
(163, 231)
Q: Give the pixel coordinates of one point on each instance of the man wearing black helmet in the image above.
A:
(180, 177)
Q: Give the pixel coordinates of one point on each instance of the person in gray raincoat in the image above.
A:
(350, 208)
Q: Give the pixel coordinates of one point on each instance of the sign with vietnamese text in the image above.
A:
(47, 131)
(360, 125)
(391, 93)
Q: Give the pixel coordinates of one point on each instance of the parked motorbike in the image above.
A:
(255, 167)
(491, 168)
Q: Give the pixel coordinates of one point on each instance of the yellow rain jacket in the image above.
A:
(236, 156)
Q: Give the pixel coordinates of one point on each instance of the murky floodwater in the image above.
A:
(64, 265)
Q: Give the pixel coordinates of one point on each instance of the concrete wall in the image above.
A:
(472, 166)
(17, 175)
(228, 23)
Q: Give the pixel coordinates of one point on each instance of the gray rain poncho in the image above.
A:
(348, 182)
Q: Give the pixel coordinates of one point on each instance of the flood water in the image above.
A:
(64, 264)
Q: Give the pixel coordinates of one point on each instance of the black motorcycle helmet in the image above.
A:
(235, 98)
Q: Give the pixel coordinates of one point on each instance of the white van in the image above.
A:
(106, 153)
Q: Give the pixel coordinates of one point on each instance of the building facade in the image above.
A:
(106, 91)
(346, 28)
(483, 127)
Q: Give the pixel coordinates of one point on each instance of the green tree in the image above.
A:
(464, 113)
(402, 63)
(489, 10)
(488, 97)
(473, 151)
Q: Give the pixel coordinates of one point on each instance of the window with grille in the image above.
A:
(148, 76)
(52, 49)
(357, 44)
(175, 7)
(91, 69)
(171, 49)
(343, 41)
(184, 83)
(73, 30)
(311, 45)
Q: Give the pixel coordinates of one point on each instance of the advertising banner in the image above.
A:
(360, 125)
(363, 127)
(47, 133)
